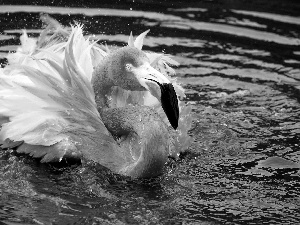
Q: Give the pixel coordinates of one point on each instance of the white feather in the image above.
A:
(51, 97)
(138, 43)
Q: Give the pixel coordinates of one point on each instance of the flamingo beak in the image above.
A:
(161, 88)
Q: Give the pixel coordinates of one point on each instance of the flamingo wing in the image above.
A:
(49, 104)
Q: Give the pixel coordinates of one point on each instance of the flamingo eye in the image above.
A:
(128, 67)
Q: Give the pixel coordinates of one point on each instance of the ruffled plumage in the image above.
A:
(47, 99)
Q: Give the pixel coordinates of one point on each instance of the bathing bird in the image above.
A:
(65, 97)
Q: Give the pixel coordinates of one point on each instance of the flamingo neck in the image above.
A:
(144, 137)
(108, 73)
(102, 82)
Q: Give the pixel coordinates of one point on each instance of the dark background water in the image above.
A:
(240, 64)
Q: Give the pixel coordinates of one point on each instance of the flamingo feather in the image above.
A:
(49, 103)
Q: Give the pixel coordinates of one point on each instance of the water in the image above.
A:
(240, 64)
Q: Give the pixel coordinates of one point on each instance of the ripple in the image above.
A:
(7, 48)
(20, 31)
(258, 74)
(224, 83)
(3, 55)
(233, 30)
(189, 9)
(86, 11)
(277, 163)
(244, 22)
(254, 52)
(234, 58)
(270, 16)
(6, 37)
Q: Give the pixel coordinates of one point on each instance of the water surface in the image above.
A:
(241, 70)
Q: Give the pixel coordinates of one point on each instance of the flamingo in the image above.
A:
(64, 97)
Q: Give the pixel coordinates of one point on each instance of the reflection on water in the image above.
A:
(241, 70)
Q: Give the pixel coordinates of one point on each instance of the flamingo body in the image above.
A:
(67, 99)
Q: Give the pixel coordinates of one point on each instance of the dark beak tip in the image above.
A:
(174, 124)
(169, 103)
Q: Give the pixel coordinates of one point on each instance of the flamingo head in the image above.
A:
(131, 70)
